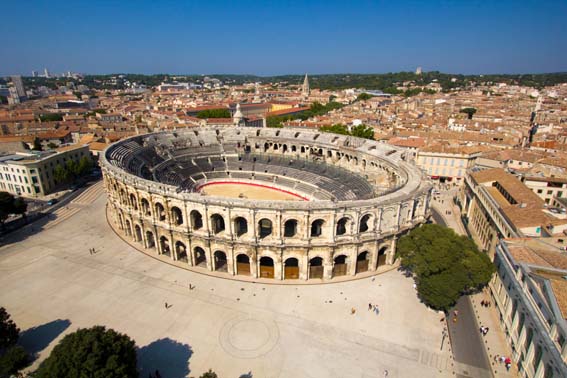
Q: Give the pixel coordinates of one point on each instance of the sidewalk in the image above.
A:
(495, 341)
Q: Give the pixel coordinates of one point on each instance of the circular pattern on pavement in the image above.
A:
(248, 337)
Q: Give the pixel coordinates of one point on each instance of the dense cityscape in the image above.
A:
(406, 219)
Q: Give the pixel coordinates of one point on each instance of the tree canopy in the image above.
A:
(11, 205)
(12, 357)
(445, 264)
(91, 352)
(468, 111)
(360, 131)
(51, 117)
(214, 113)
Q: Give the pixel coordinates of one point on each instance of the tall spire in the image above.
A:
(305, 89)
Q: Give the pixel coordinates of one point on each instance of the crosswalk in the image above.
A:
(84, 199)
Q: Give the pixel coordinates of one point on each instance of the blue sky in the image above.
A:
(279, 37)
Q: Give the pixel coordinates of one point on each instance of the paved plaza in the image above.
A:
(52, 285)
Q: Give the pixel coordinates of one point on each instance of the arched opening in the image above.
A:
(364, 223)
(240, 226)
(150, 239)
(316, 267)
(340, 266)
(217, 223)
(146, 210)
(196, 220)
(302, 149)
(200, 257)
(160, 211)
(164, 244)
(128, 228)
(290, 228)
(264, 227)
(317, 228)
(133, 202)
(266, 147)
(220, 261)
(291, 271)
(342, 226)
(362, 262)
(181, 251)
(293, 148)
(120, 221)
(138, 233)
(284, 148)
(177, 215)
(382, 256)
(243, 265)
(266, 267)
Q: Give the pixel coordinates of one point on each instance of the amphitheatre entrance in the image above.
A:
(249, 190)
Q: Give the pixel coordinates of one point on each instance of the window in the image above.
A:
(549, 192)
(540, 191)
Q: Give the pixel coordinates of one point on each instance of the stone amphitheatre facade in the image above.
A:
(351, 199)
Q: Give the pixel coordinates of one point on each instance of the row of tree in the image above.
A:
(72, 170)
(316, 109)
(214, 113)
(87, 352)
(360, 131)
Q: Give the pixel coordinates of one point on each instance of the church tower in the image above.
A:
(305, 89)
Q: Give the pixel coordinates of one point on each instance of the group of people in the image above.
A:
(373, 308)
(507, 361)
(484, 330)
(92, 251)
(485, 303)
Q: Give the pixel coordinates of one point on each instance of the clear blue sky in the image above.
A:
(279, 37)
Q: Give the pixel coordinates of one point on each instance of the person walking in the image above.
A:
(369, 306)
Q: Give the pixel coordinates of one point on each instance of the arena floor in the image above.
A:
(52, 285)
(249, 191)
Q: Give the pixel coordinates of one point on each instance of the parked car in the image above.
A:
(52, 202)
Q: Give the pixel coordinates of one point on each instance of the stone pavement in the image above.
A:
(495, 341)
(52, 285)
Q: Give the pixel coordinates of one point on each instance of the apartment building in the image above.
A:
(446, 163)
(529, 291)
(31, 174)
(496, 205)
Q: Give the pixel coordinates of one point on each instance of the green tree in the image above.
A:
(60, 174)
(51, 117)
(51, 145)
(12, 357)
(214, 113)
(37, 144)
(445, 264)
(363, 131)
(209, 374)
(91, 352)
(11, 205)
(84, 166)
(9, 332)
(335, 129)
(363, 97)
(468, 111)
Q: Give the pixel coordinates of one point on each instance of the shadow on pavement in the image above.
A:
(167, 356)
(36, 339)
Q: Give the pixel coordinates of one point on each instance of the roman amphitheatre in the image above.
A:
(277, 204)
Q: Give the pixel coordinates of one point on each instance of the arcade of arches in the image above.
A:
(284, 266)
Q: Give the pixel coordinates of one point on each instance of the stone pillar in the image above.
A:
(328, 269)
(391, 252)
(304, 268)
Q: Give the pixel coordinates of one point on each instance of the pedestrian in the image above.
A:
(485, 332)
(454, 319)
(352, 311)
(386, 373)
(369, 306)
(166, 305)
(508, 366)
(497, 358)
(482, 303)
(502, 359)
(376, 310)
